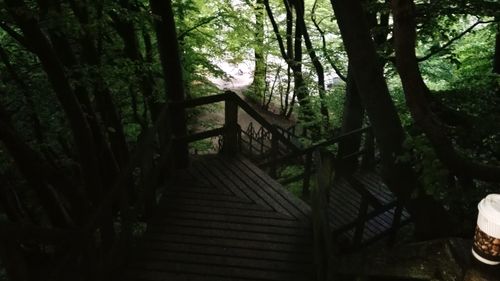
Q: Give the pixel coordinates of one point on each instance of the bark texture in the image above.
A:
(416, 93)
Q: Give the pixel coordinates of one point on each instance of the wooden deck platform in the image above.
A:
(225, 220)
(362, 209)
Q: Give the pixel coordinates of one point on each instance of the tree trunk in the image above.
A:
(172, 70)
(30, 166)
(50, 63)
(259, 80)
(374, 94)
(318, 67)
(496, 58)
(323, 43)
(105, 104)
(300, 87)
(352, 119)
(126, 30)
(37, 125)
(293, 57)
(416, 91)
(108, 164)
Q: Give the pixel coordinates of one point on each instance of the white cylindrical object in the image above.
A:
(486, 246)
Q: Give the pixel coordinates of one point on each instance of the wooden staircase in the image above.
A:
(362, 209)
(224, 219)
(221, 219)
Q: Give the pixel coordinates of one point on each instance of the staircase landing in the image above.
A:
(225, 219)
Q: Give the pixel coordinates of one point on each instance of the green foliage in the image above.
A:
(433, 175)
(467, 64)
(291, 171)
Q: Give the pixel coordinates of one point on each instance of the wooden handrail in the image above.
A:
(312, 148)
(201, 101)
(262, 121)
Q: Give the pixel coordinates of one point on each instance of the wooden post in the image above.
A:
(307, 175)
(149, 196)
(274, 155)
(369, 158)
(396, 221)
(230, 146)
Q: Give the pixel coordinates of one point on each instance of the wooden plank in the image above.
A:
(231, 234)
(343, 209)
(281, 193)
(223, 271)
(228, 177)
(189, 193)
(145, 275)
(361, 189)
(221, 260)
(345, 198)
(262, 254)
(218, 179)
(184, 188)
(229, 206)
(256, 187)
(349, 198)
(376, 185)
(219, 210)
(210, 178)
(232, 226)
(239, 219)
(298, 249)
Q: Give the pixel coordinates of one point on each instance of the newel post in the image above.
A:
(230, 146)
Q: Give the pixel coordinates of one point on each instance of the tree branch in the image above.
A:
(16, 36)
(205, 21)
(449, 43)
(415, 94)
(276, 31)
(323, 39)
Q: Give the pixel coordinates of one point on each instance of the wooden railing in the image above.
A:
(94, 250)
(304, 156)
(231, 130)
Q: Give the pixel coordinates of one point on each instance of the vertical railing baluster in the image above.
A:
(307, 175)
(274, 155)
(230, 146)
(368, 159)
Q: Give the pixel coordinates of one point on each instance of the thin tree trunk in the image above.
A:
(127, 31)
(108, 164)
(105, 104)
(29, 164)
(318, 67)
(37, 125)
(352, 119)
(323, 42)
(172, 70)
(496, 58)
(59, 81)
(259, 52)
